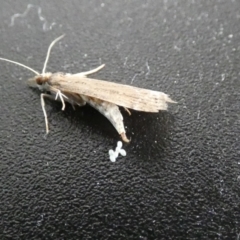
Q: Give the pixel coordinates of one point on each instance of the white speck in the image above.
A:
(119, 144)
(148, 69)
(117, 149)
(111, 152)
(113, 155)
(116, 154)
(112, 158)
(198, 116)
(102, 4)
(123, 152)
(223, 76)
(85, 55)
(230, 36)
(125, 62)
(133, 78)
(177, 48)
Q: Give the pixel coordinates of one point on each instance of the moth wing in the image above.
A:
(122, 95)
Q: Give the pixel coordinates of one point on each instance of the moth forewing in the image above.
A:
(122, 95)
(106, 96)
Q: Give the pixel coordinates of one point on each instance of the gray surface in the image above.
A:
(181, 177)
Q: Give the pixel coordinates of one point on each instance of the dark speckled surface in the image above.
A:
(181, 176)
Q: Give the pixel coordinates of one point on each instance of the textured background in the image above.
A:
(181, 177)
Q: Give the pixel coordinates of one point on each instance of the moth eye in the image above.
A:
(39, 80)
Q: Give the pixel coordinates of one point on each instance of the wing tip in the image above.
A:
(168, 99)
(163, 103)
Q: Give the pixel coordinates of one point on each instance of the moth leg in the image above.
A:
(78, 104)
(73, 106)
(44, 110)
(61, 95)
(91, 71)
(127, 110)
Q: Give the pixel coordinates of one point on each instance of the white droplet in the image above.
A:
(123, 152)
(111, 152)
(112, 158)
(116, 154)
(117, 149)
(119, 144)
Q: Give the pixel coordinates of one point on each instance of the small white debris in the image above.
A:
(119, 144)
(110, 152)
(114, 154)
(112, 158)
(123, 152)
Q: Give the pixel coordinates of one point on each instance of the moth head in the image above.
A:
(39, 80)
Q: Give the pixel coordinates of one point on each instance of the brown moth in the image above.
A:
(77, 89)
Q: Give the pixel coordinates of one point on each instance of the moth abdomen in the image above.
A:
(111, 112)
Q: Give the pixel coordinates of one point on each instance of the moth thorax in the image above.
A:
(42, 78)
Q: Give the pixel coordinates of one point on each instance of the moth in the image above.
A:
(79, 90)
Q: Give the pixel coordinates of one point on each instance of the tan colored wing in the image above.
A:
(122, 95)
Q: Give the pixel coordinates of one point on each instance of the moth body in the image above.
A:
(105, 96)
(111, 111)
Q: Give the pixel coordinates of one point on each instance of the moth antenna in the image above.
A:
(20, 64)
(48, 52)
